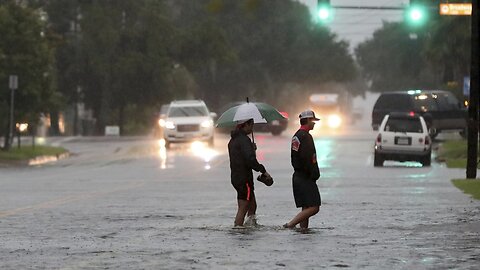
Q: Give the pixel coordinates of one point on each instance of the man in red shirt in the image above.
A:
(306, 172)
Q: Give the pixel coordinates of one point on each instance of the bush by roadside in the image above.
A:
(28, 152)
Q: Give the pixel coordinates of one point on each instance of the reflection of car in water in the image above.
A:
(403, 137)
(332, 108)
(188, 120)
(440, 109)
(275, 127)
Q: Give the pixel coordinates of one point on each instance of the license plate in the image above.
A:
(403, 141)
(275, 123)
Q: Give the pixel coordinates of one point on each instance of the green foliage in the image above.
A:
(25, 51)
(28, 152)
(454, 153)
(468, 186)
(266, 45)
(117, 55)
(392, 59)
(433, 55)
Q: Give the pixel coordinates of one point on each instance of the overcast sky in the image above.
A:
(356, 25)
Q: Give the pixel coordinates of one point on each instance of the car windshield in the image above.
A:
(187, 111)
(404, 125)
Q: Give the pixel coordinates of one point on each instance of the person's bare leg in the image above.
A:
(306, 213)
(252, 206)
(241, 212)
(304, 223)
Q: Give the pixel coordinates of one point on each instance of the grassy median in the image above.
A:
(454, 154)
(468, 186)
(28, 152)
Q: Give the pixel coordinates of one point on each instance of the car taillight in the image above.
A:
(284, 114)
(427, 140)
(412, 113)
(379, 138)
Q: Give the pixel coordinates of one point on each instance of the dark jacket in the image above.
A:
(304, 156)
(242, 158)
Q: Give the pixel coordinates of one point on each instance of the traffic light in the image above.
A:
(416, 13)
(324, 11)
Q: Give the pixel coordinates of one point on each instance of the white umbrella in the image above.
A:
(248, 111)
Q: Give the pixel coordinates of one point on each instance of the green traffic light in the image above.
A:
(324, 13)
(416, 15)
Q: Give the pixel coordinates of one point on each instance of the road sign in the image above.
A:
(456, 9)
(13, 82)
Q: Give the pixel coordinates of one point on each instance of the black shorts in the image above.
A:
(305, 191)
(244, 191)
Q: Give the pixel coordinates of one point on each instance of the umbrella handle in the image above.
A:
(253, 142)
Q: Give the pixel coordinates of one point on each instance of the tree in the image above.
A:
(26, 52)
(393, 59)
(266, 45)
(434, 56)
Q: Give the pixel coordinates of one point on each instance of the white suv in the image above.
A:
(403, 137)
(188, 120)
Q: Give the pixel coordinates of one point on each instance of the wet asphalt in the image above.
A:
(132, 204)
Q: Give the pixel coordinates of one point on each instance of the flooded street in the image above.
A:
(132, 204)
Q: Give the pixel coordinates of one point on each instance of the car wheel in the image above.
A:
(427, 160)
(377, 160)
(433, 132)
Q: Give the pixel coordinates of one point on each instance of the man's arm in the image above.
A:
(248, 153)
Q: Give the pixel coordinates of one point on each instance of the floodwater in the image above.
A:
(129, 204)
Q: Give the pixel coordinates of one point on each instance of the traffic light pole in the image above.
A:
(472, 150)
(367, 7)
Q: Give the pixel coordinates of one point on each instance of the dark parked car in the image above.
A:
(440, 109)
(275, 127)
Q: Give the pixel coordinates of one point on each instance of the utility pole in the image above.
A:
(75, 28)
(472, 151)
(13, 85)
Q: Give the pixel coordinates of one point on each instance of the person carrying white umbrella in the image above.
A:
(243, 160)
(242, 155)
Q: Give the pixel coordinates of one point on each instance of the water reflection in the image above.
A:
(162, 153)
(196, 148)
(325, 155)
(201, 150)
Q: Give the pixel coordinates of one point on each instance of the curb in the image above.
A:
(40, 160)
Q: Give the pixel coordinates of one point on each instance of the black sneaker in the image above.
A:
(268, 181)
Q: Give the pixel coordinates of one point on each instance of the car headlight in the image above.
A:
(334, 121)
(161, 122)
(169, 125)
(207, 124)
